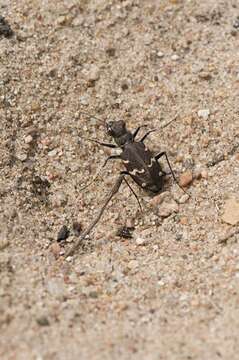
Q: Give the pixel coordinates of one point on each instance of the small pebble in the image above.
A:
(35, 106)
(140, 241)
(166, 209)
(231, 212)
(184, 220)
(186, 178)
(93, 74)
(236, 23)
(183, 199)
(69, 258)
(205, 75)
(77, 228)
(58, 199)
(28, 139)
(133, 264)
(43, 321)
(111, 51)
(4, 244)
(178, 237)
(84, 100)
(62, 20)
(21, 156)
(53, 152)
(5, 29)
(63, 233)
(158, 199)
(55, 249)
(175, 57)
(124, 85)
(125, 232)
(179, 158)
(197, 174)
(204, 174)
(160, 54)
(204, 113)
(93, 294)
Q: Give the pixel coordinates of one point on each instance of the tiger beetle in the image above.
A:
(140, 164)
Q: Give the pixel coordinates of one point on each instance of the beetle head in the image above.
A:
(118, 131)
(116, 128)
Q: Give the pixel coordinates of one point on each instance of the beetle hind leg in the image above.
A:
(158, 156)
(131, 189)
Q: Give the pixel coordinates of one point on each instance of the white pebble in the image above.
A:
(175, 57)
(93, 73)
(69, 258)
(133, 264)
(160, 54)
(21, 156)
(140, 241)
(53, 153)
(28, 139)
(204, 113)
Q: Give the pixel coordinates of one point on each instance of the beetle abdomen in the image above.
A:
(142, 166)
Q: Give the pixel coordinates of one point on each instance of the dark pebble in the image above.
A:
(63, 233)
(43, 321)
(5, 28)
(125, 232)
(77, 228)
(111, 52)
(124, 86)
(236, 23)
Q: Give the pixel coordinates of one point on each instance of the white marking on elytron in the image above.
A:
(145, 148)
(125, 161)
(151, 162)
(136, 171)
(144, 184)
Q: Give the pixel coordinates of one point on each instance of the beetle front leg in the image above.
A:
(98, 172)
(137, 130)
(147, 133)
(112, 157)
(112, 146)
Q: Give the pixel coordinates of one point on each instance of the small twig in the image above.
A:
(115, 189)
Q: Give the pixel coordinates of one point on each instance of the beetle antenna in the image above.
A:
(170, 121)
(93, 116)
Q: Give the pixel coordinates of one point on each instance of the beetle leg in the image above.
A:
(131, 189)
(147, 133)
(137, 130)
(163, 153)
(113, 191)
(112, 146)
(171, 170)
(112, 157)
(98, 172)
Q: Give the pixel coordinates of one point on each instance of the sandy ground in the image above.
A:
(172, 291)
